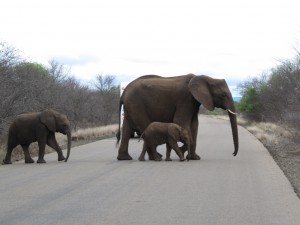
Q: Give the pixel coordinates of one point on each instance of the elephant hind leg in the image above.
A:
(27, 156)
(126, 134)
(11, 144)
(154, 154)
(142, 156)
(7, 159)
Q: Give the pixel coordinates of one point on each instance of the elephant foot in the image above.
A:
(141, 159)
(168, 159)
(5, 161)
(183, 149)
(160, 155)
(30, 160)
(124, 157)
(61, 158)
(151, 157)
(157, 159)
(41, 161)
(193, 157)
(182, 159)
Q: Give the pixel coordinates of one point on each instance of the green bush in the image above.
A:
(247, 103)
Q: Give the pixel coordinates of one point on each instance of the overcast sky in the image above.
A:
(232, 39)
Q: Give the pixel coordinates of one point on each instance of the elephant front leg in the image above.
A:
(51, 141)
(27, 156)
(193, 156)
(152, 156)
(183, 149)
(42, 145)
(174, 145)
(168, 152)
(194, 132)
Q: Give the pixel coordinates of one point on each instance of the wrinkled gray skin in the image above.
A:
(38, 126)
(158, 133)
(173, 100)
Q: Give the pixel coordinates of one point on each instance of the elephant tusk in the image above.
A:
(231, 112)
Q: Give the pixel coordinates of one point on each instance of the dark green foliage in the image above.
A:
(247, 103)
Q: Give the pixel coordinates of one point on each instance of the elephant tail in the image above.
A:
(118, 135)
(141, 136)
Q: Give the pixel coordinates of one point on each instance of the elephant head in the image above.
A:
(215, 93)
(57, 122)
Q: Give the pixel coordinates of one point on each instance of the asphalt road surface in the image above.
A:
(93, 187)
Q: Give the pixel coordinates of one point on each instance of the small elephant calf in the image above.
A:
(158, 133)
(38, 126)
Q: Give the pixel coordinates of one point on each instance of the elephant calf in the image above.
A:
(158, 133)
(38, 126)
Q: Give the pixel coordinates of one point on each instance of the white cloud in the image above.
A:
(226, 39)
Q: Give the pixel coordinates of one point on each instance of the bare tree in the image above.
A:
(28, 86)
(277, 94)
(105, 83)
(108, 97)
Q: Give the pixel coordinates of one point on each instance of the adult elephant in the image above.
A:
(173, 99)
(38, 126)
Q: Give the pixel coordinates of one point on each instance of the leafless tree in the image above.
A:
(29, 86)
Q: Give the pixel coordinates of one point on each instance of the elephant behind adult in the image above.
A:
(173, 99)
(38, 126)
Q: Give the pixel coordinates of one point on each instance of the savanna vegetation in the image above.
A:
(274, 96)
(271, 106)
(27, 86)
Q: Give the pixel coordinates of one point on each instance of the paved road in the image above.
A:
(95, 188)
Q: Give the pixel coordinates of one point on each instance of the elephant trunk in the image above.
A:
(189, 153)
(69, 144)
(234, 128)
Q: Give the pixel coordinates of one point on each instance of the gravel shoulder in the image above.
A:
(283, 144)
(286, 153)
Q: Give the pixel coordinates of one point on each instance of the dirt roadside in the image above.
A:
(286, 153)
(283, 144)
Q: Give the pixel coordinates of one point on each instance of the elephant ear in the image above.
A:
(174, 131)
(199, 87)
(47, 118)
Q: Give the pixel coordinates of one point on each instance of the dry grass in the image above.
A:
(85, 135)
(96, 132)
(268, 133)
